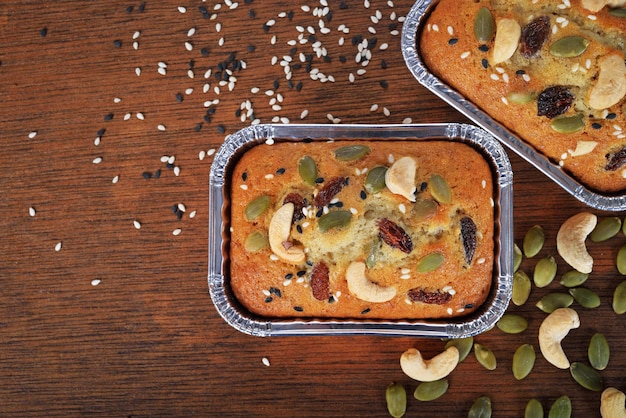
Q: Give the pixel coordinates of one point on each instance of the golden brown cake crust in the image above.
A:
(509, 91)
(271, 287)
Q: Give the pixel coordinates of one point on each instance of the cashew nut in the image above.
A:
(278, 234)
(611, 84)
(594, 5)
(400, 178)
(362, 288)
(552, 331)
(438, 367)
(612, 403)
(508, 33)
(570, 241)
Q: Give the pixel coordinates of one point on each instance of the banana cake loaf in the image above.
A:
(362, 229)
(552, 72)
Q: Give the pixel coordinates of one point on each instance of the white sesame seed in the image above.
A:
(140, 116)
(115, 179)
(127, 116)
(465, 54)
(182, 9)
(177, 171)
(58, 246)
(405, 276)
(192, 214)
(96, 282)
(116, 100)
(177, 231)
(161, 127)
(407, 120)
(137, 224)
(162, 71)
(32, 134)
(243, 186)
(402, 208)
(265, 361)
(135, 45)
(138, 71)
(31, 211)
(97, 160)
(201, 155)
(386, 111)
(210, 152)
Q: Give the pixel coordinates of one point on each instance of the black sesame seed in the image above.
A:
(301, 273)
(142, 7)
(299, 229)
(384, 84)
(266, 28)
(453, 41)
(169, 165)
(251, 48)
(146, 175)
(327, 59)
(101, 132)
(192, 64)
(108, 117)
(319, 180)
(469, 306)
(596, 125)
(423, 186)
(247, 1)
(393, 26)
(342, 59)
(299, 86)
(319, 213)
(244, 176)
(290, 83)
(129, 9)
(363, 195)
(298, 309)
(238, 112)
(611, 116)
(520, 72)
(207, 118)
(43, 32)
(221, 129)
(252, 13)
(210, 111)
(307, 140)
(383, 64)
(337, 204)
(483, 48)
(331, 299)
(365, 311)
(268, 299)
(296, 66)
(117, 43)
(197, 127)
(179, 98)
(276, 292)
(280, 171)
(343, 5)
(484, 63)
(289, 276)
(276, 84)
(157, 174)
(371, 43)
(312, 38)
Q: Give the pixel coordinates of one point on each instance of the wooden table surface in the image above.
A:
(99, 317)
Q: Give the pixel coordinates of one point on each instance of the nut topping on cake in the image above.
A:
(611, 85)
(400, 178)
(362, 288)
(279, 231)
(508, 33)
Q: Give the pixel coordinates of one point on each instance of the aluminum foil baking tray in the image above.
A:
(219, 213)
(413, 24)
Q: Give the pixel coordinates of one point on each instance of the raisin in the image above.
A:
(330, 189)
(394, 236)
(534, 35)
(299, 203)
(431, 297)
(616, 160)
(554, 101)
(468, 236)
(320, 281)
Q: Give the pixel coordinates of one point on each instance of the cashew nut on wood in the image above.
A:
(360, 286)
(278, 234)
(612, 403)
(438, 367)
(552, 331)
(570, 241)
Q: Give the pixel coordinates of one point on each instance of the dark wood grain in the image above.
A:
(147, 341)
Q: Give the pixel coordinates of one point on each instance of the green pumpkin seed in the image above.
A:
(569, 46)
(586, 376)
(517, 257)
(430, 262)
(605, 229)
(429, 391)
(523, 361)
(598, 351)
(621, 260)
(439, 189)
(375, 180)
(424, 209)
(512, 323)
(481, 408)
(618, 12)
(307, 170)
(256, 241)
(464, 345)
(574, 278)
(351, 152)
(533, 241)
(619, 298)
(257, 206)
(568, 124)
(545, 271)
(521, 287)
(533, 409)
(335, 219)
(396, 400)
(585, 297)
(561, 408)
(520, 97)
(552, 301)
(484, 25)
(485, 357)
(370, 261)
